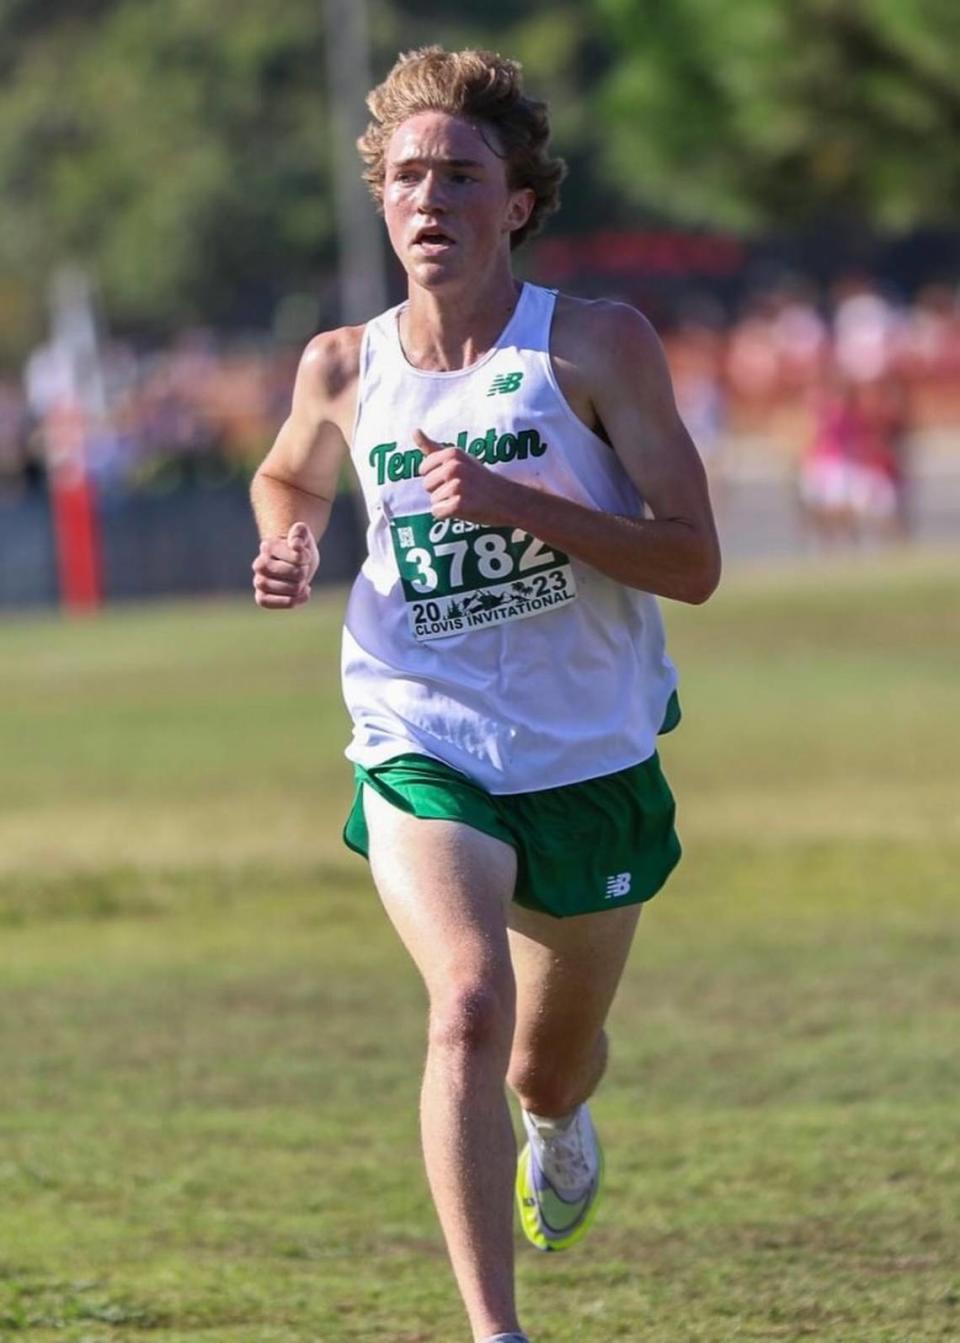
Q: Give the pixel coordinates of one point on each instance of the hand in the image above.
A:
(461, 487)
(284, 569)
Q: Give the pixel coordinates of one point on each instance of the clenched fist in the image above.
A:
(461, 487)
(284, 569)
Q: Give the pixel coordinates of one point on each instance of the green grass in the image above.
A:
(210, 1039)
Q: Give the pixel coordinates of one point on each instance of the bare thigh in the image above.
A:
(567, 972)
(446, 888)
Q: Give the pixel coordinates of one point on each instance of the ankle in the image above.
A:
(549, 1125)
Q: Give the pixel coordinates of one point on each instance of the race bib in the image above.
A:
(458, 576)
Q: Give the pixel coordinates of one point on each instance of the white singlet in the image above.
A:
(481, 646)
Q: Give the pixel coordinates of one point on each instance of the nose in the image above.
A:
(430, 197)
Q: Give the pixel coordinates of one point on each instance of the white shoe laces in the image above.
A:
(567, 1158)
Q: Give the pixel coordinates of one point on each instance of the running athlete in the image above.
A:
(529, 487)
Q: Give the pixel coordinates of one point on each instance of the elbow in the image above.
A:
(256, 482)
(703, 580)
(696, 596)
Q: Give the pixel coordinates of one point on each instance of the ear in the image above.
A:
(519, 208)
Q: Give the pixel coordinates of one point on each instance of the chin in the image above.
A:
(434, 274)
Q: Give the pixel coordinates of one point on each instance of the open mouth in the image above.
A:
(432, 240)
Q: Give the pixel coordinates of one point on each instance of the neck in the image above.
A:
(444, 330)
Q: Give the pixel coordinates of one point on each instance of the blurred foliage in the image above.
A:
(180, 148)
(779, 113)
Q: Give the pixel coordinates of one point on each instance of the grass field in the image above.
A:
(210, 1040)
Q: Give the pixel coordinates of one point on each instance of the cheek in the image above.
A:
(489, 210)
(398, 195)
(394, 212)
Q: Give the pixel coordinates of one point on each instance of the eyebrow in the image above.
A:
(426, 158)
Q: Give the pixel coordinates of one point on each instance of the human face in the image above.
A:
(448, 208)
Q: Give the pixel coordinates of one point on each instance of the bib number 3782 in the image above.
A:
(457, 576)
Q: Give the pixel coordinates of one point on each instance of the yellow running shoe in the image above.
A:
(558, 1179)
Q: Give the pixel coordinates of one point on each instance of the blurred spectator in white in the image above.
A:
(866, 328)
(800, 335)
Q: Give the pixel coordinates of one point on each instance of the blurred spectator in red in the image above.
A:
(853, 479)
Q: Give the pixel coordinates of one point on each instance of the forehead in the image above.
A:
(438, 136)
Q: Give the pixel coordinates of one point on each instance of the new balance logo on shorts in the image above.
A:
(617, 885)
(505, 382)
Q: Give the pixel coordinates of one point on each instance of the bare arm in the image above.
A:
(621, 373)
(294, 487)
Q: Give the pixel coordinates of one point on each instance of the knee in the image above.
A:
(471, 1016)
(556, 1081)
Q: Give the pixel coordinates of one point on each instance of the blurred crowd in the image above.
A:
(200, 411)
(842, 387)
(840, 382)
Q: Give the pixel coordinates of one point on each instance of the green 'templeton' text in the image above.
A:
(393, 463)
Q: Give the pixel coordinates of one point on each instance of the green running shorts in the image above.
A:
(580, 849)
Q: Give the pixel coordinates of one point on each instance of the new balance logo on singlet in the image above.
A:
(505, 382)
(617, 885)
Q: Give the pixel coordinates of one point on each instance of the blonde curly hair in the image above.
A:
(473, 84)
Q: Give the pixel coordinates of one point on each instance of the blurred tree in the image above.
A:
(177, 149)
(780, 112)
(180, 148)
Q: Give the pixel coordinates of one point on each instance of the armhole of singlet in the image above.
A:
(554, 381)
(363, 362)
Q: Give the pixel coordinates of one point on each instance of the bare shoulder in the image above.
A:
(330, 364)
(309, 448)
(605, 352)
(603, 334)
